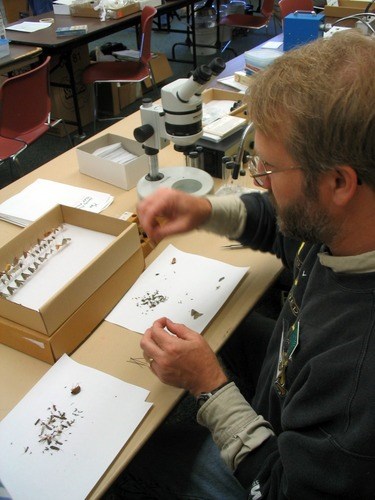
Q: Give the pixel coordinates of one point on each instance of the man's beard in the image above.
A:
(305, 220)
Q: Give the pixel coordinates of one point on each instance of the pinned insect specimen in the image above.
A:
(196, 314)
(75, 390)
(16, 274)
(174, 260)
(138, 361)
(151, 300)
(220, 279)
(54, 429)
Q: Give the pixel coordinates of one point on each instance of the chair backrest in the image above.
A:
(25, 101)
(289, 6)
(267, 8)
(148, 14)
(40, 6)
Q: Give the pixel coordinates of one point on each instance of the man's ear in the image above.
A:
(344, 184)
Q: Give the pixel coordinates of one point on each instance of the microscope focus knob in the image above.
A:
(230, 165)
(144, 132)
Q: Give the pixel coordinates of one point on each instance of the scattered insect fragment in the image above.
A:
(196, 314)
(75, 390)
(222, 278)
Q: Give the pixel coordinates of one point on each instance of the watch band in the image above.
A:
(205, 396)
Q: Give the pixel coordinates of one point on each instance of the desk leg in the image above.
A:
(69, 67)
(191, 8)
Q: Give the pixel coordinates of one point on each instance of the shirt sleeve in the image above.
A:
(228, 216)
(235, 426)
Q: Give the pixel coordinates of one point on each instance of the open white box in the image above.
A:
(124, 176)
(62, 7)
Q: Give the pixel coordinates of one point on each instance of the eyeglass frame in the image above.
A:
(254, 171)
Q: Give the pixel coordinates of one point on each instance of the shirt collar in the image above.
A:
(352, 264)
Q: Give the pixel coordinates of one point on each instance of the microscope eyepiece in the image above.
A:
(202, 74)
(217, 65)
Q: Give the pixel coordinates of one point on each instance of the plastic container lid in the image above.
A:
(4, 47)
(261, 58)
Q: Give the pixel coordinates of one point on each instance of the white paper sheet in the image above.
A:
(102, 418)
(55, 272)
(186, 288)
(231, 82)
(42, 195)
(64, 2)
(215, 109)
(29, 26)
(271, 45)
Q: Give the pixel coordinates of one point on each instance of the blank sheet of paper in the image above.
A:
(186, 288)
(56, 445)
(42, 195)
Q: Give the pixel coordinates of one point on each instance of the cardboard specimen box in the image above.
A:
(87, 10)
(124, 175)
(13, 8)
(72, 313)
(221, 95)
(161, 69)
(226, 95)
(346, 8)
(62, 7)
(113, 98)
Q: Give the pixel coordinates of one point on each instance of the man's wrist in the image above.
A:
(205, 396)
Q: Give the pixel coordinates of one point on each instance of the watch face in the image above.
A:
(202, 398)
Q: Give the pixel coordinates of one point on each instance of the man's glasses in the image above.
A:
(259, 168)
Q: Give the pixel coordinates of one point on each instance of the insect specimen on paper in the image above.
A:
(150, 299)
(54, 429)
(75, 390)
(195, 314)
(220, 279)
(22, 268)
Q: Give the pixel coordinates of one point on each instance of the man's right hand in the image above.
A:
(168, 211)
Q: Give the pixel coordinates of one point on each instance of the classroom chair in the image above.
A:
(121, 71)
(25, 113)
(249, 21)
(290, 6)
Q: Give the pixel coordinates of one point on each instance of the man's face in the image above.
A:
(300, 212)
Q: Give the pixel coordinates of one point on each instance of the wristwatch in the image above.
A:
(205, 396)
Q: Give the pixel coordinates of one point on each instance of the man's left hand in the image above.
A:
(183, 359)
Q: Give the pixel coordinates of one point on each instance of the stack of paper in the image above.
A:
(29, 26)
(42, 195)
(115, 152)
(222, 128)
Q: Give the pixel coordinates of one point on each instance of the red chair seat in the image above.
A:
(10, 147)
(25, 111)
(244, 21)
(32, 135)
(116, 71)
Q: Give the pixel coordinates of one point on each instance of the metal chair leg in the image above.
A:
(95, 102)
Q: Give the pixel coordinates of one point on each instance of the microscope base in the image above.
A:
(188, 179)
